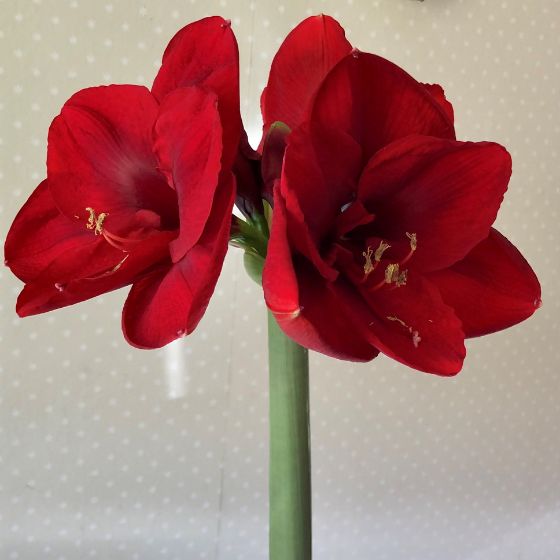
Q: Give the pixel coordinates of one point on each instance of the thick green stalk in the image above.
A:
(290, 462)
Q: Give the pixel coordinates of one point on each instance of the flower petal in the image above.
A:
(205, 54)
(413, 325)
(321, 169)
(170, 302)
(492, 288)
(446, 192)
(191, 161)
(100, 157)
(303, 60)
(438, 93)
(89, 270)
(39, 234)
(377, 102)
(306, 309)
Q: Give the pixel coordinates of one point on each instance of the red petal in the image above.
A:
(100, 157)
(191, 161)
(321, 169)
(279, 279)
(306, 309)
(306, 56)
(89, 270)
(170, 302)
(492, 288)
(446, 192)
(204, 53)
(273, 150)
(378, 102)
(438, 93)
(413, 325)
(39, 234)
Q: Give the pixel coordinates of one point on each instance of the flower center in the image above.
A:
(393, 271)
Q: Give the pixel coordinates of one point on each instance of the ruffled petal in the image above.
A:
(305, 57)
(170, 302)
(492, 288)
(446, 192)
(100, 158)
(39, 235)
(191, 161)
(205, 54)
(377, 102)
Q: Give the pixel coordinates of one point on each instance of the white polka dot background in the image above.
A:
(114, 453)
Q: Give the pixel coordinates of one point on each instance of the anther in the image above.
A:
(95, 222)
(413, 246)
(394, 275)
(59, 286)
(380, 250)
(413, 241)
(368, 265)
(355, 52)
(227, 23)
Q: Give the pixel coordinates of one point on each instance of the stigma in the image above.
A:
(416, 338)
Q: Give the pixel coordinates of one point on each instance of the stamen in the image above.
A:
(413, 241)
(368, 265)
(401, 280)
(380, 250)
(108, 272)
(95, 222)
(416, 338)
(393, 274)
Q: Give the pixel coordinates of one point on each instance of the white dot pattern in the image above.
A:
(109, 452)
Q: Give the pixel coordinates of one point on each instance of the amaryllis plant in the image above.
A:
(367, 222)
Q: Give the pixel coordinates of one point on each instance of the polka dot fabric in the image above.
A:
(114, 453)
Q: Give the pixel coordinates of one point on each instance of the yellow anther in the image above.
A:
(393, 274)
(413, 241)
(401, 280)
(380, 250)
(95, 221)
(368, 265)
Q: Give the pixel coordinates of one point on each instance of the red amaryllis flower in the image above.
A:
(139, 190)
(381, 235)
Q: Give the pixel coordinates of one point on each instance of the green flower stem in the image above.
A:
(290, 461)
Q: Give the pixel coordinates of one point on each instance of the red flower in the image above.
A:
(381, 234)
(139, 190)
